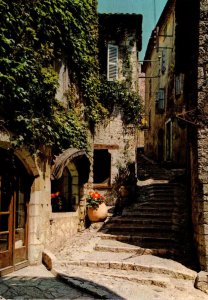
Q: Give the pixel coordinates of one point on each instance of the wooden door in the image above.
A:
(13, 213)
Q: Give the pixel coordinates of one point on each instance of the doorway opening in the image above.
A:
(102, 167)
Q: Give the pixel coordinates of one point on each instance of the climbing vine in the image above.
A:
(33, 34)
(119, 93)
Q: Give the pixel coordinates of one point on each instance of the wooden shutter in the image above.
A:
(161, 98)
(112, 68)
(164, 61)
(179, 79)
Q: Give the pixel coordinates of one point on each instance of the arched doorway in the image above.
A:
(14, 196)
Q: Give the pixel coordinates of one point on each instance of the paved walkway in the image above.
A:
(35, 282)
(87, 274)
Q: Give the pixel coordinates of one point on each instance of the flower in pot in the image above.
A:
(97, 209)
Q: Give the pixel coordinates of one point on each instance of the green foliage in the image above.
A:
(32, 35)
(118, 94)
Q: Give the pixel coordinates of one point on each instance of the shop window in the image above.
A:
(62, 199)
(102, 167)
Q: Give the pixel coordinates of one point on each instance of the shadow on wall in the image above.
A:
(23, 287)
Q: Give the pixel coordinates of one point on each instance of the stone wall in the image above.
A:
(39, 211)
(123, 139)
(199, 144)
(61, 227)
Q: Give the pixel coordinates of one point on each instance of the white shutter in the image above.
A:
(112, 64)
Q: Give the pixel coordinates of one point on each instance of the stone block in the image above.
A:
(201, 282)
(103, 264)
(128, 266)
(115, 265)
(92, 264)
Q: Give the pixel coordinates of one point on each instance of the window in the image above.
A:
(179, 84)
(112, 63)
(160, 100)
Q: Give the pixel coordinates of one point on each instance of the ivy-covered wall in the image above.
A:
(33, 35)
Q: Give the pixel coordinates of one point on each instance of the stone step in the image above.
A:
(146, 214)
(128, 220)
(163, 193)
(145, 241)
(137, 228)
(142, 263)
(118, 247)
(148, 209)
(153, 204)
(103, 278)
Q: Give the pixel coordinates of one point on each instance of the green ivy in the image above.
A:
(118, 94)
(32, 35)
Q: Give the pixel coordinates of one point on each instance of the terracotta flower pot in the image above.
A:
(97, 214)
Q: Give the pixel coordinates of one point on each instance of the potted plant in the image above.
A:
(96, 207)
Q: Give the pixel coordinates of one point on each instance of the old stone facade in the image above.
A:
(198, 140)
(183, 119)
(115, 143)
(165, 135)
(40, 222)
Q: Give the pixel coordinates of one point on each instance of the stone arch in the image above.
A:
(23, 155)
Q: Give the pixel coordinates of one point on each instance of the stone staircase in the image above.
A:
(142, 253)
(156, 223)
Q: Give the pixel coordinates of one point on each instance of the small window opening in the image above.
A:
(102, 167)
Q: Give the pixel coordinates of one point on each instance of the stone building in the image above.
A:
(176, 105)
(42, 198)
(40, 202)
(165, 137)
(114, 142)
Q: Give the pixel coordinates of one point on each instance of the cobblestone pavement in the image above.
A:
(35, 282)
